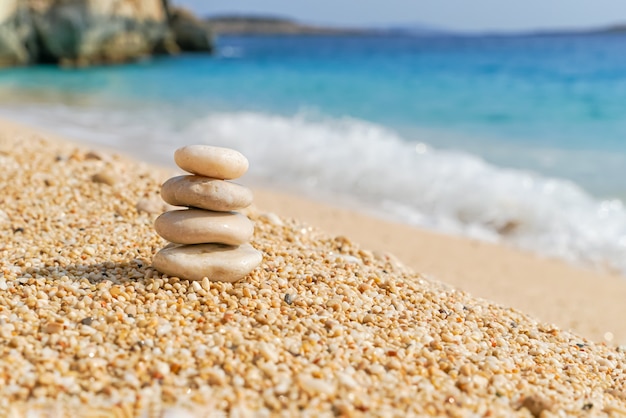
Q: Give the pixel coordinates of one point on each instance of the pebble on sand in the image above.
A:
(205, 193)
(105, 176)
(195, 226)
(209, 161)
(217, 262)
(152, 205)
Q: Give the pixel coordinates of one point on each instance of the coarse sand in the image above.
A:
(321, 328)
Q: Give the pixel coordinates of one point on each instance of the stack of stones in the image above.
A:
(209, 239)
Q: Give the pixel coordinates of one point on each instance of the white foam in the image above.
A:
(449, 191)
(230, 52)
(452, 192)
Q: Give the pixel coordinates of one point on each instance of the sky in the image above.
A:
(465, 15)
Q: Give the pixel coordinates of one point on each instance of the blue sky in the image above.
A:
(471, 15)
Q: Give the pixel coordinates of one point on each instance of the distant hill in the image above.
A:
(607, 30)
(414, 29)
(277, 25)
(614, 29)
(271, 25)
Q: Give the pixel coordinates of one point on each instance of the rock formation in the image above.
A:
(190, 33)
(17, 34)
(209, 239)
(86, 32)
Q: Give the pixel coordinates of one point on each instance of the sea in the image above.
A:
(512, 139)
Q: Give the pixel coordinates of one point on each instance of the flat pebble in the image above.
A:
(223, 263)
(195, 226)
(209, 161)
(53, 327)
(96, 155)
(108, 177)
(272, 218)
(152, 205)
(205, 193)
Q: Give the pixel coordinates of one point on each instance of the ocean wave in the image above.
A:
(364, 163)
(452, 192)
(230, 52)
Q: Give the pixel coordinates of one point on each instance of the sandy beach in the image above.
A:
(585, 301)
(348, 315)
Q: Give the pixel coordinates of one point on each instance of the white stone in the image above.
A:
(196, 226)
(272, 218)
(153, 205)
(205, 193)
(216, 262)
(106, 176)
(209, 161)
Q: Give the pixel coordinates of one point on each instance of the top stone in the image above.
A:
(208, 161)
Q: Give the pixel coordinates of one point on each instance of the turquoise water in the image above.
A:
(520, 139)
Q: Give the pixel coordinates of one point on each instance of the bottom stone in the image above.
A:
(218, 262)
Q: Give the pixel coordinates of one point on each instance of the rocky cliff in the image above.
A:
(86, 32)
(17, 35)
(190, 33)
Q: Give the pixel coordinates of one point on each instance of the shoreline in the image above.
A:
(472, 197)
(573, 297)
